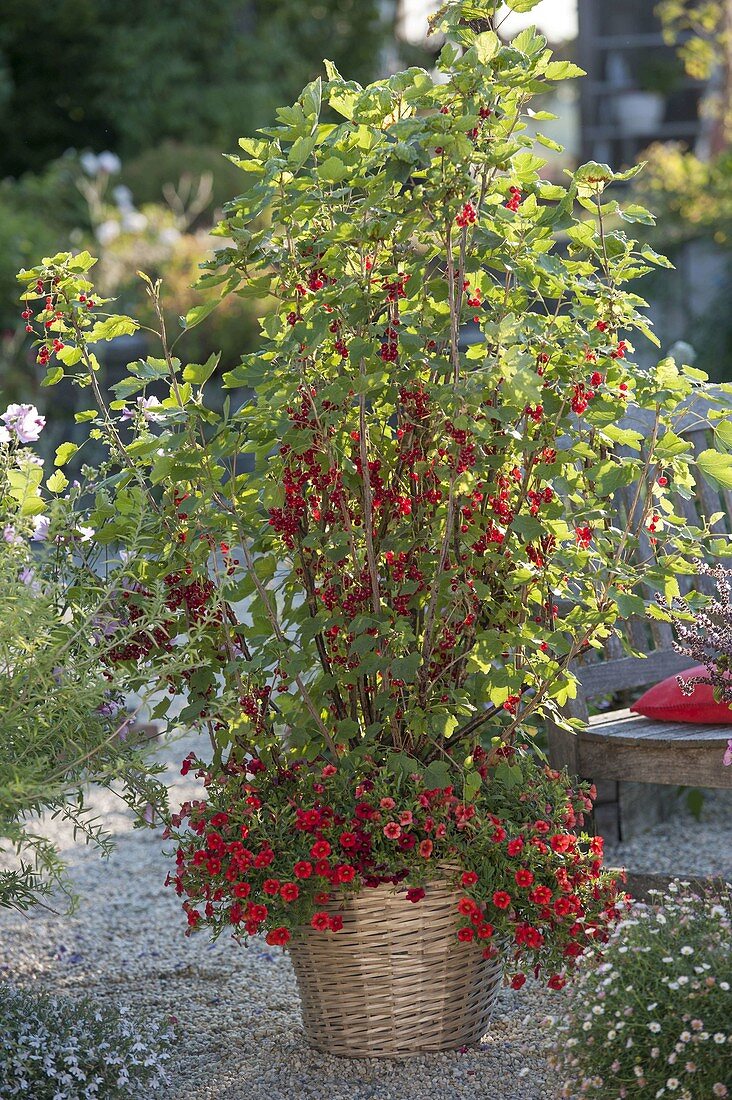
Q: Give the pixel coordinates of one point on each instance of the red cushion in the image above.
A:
(667, 701)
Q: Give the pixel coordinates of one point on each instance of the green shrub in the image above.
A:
(150, 174)
(63, 722)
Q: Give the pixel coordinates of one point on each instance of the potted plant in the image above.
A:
(373, 620)
(640, 110)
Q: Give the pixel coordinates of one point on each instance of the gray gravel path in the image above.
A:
(239, 1030)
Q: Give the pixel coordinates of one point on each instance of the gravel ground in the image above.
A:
(683, 845)
(237, 1012)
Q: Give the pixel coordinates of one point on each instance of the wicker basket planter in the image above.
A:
(395, 981)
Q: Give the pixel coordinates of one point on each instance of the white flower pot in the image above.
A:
(639, 114)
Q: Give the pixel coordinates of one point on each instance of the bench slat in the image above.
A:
(683, 765)
(623, 727)
(630, 672)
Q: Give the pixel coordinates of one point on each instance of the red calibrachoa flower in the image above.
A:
(554, 906)
(278, 936)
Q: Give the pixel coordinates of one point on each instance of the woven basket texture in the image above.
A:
(395, 981)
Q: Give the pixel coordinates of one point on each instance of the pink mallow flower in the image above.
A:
(41, 525)
(24, 421)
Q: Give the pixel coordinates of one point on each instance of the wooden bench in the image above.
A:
(638, 763)
(623, 752)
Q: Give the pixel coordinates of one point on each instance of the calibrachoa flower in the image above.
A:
(260, 854)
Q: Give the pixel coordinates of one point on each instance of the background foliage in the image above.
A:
(139, 72)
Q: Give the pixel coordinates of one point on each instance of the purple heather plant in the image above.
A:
(705, 635)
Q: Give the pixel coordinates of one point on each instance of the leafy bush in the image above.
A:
(62, 722)
(59, 1048)
(691, 197)
(653, 1019)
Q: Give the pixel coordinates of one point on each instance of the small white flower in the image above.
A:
(11, 536)
(89, 163)
(122, 196)
(24, 421)
(719, 1038)
(109, 163)
(108, 231)
(654, 1027)
(672, 1084)
(169, 236)
(133, 221)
